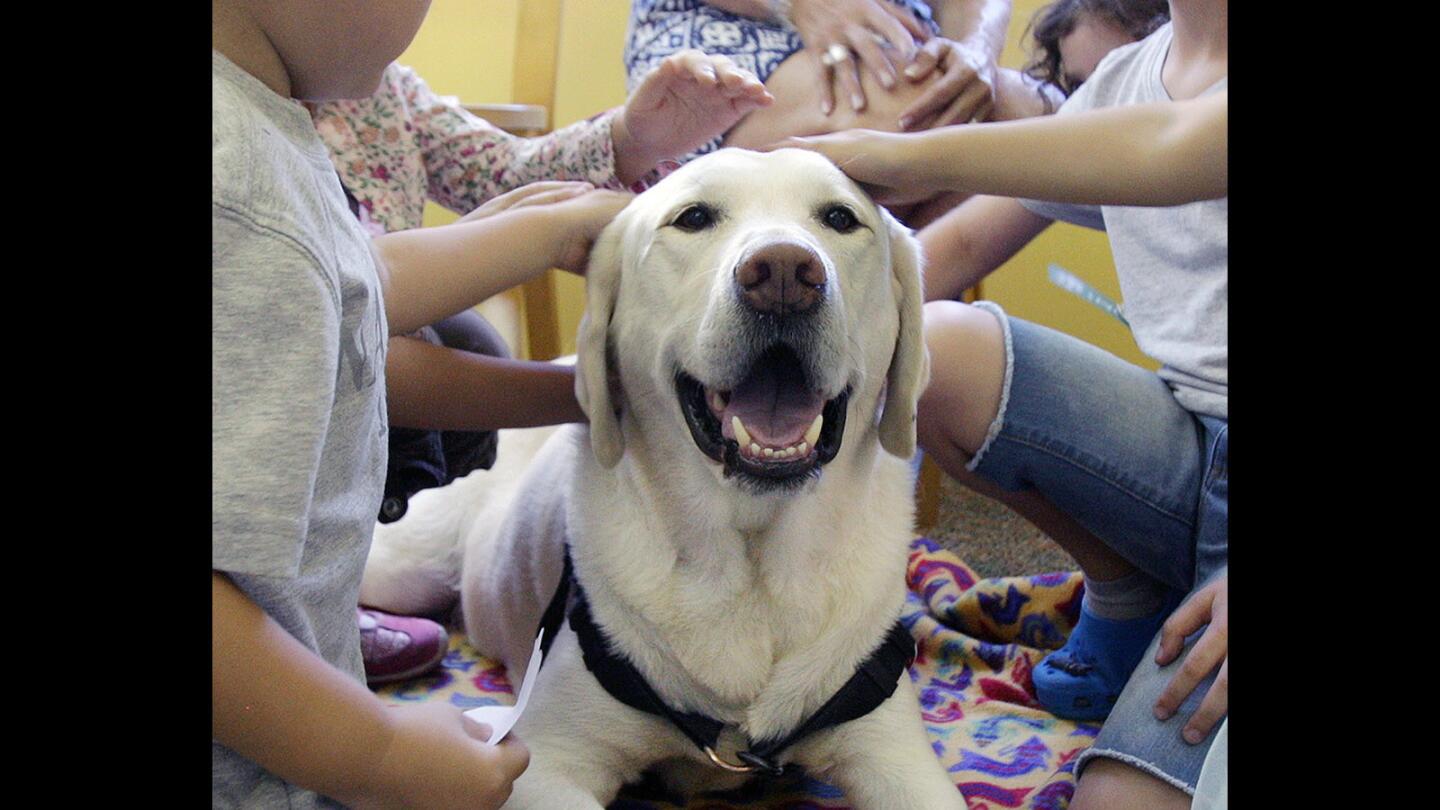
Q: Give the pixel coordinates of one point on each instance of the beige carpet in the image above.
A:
(991, 538)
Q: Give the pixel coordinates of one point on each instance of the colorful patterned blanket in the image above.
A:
(978, 639)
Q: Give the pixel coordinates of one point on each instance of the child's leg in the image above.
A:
(1085, 446)
(1138, 761)
(1113, 785)
(968, 365)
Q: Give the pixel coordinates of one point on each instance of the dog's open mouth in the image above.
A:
(772, 426)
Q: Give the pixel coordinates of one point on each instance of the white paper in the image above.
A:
(503, 718)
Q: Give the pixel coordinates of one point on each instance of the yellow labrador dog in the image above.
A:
(738, 510)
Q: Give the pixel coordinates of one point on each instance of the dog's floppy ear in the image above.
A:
(910, 366)
(592, 365)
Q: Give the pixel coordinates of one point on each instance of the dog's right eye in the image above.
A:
(694, 218)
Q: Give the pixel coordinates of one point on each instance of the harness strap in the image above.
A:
(873, 682)
(625, 683)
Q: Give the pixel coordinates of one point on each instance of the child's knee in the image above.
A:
(470, 331)
(967, 379)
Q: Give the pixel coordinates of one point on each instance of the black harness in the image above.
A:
(873, 682)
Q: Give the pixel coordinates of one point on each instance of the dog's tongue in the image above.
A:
(775, 407)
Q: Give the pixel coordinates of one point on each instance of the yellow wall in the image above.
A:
(589, 78)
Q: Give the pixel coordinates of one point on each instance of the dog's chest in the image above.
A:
(735, 637)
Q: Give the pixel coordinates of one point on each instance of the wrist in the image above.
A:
(553, 226)
(630, 158)
(1020, 96)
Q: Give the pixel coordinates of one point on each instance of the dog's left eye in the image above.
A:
(839, 218)
(694, 218)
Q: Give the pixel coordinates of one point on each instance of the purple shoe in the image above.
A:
(399, 647)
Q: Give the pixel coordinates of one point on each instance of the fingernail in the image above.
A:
(887, 82)
(912, 71)
(857, 101)
(1162, 713)
(826, 107)
(905, 122)
(1192, 735)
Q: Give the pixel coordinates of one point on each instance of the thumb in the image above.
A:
(924, 62)
(476, 729)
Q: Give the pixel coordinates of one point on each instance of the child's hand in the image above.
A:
(887, 164)
(964, 90)
(875, 35)
(679, 106)
(433, 762)
(1208, 608)
(541, 193)
(580, 221)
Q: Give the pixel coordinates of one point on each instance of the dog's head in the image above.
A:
(755, 299)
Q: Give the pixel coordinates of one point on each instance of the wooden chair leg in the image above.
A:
(927, 495)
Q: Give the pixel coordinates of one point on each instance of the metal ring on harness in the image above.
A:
(715, 758)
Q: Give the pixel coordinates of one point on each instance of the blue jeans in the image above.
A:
(1107, 443)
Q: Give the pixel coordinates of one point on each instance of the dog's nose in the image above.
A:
(781, 279)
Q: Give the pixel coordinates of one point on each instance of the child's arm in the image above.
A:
(438, 388)
(1148, 154)
(687, 100)
(280, 705)
(432, 273)
(972, 240)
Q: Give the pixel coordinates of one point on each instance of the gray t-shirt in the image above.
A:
(1173, 263)
(298, 390)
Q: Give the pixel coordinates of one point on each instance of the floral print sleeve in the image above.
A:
(404, 144)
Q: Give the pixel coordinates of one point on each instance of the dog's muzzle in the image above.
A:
(773, 428)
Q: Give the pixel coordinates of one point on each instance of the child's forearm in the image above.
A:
(434, 273)
(631, 162)
(973, 240)
(277, 703)
(437, 388)
(1150, 154)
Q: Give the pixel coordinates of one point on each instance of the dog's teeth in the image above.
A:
(755, 449)
(813, 434)
(801, 448)
(716, 403)
(742, 436)
(768, 453)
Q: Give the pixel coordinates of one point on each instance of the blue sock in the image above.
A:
(1081, 680)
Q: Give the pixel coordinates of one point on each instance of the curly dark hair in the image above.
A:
(1052, 23)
